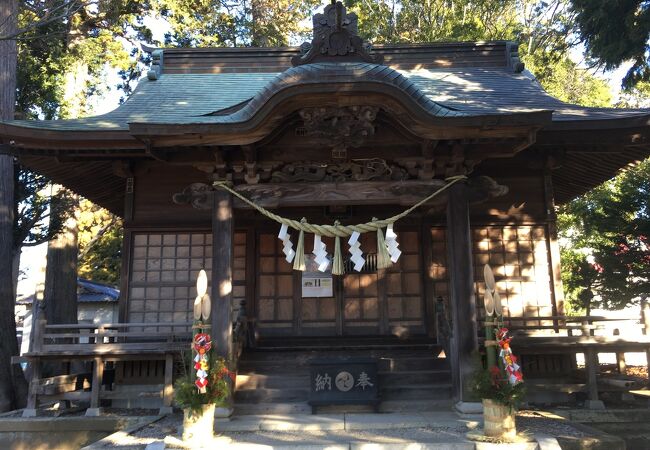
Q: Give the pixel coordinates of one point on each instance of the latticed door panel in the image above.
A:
(404, 290)
(275, 288)
(362, 309)
(318, 315)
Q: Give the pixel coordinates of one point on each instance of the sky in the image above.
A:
(33, 258)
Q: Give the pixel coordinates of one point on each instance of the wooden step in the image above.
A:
(272, 381)
(414, 377)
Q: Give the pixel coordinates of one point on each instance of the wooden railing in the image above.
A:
(107, 342)
(107, 337)
(590, 335)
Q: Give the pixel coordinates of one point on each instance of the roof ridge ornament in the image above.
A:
(336, 37)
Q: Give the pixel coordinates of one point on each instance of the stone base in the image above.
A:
(468, 408)
(223, 412)
(29, 412)
(164, 410)
(594, 404)
(93, 412)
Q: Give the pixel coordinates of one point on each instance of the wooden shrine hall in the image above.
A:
(336, 131)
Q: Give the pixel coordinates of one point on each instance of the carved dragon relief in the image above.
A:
(340, 127)
(355, 170)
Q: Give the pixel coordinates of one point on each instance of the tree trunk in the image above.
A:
(60, 296)
(13, 387)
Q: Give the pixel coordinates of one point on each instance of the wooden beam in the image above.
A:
(404, 193)
(462, 299)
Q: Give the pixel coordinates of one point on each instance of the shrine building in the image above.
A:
(339, 132)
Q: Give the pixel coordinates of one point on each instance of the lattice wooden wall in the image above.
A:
(164, 268)
(519, 257)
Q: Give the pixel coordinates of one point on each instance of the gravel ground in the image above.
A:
(535, 422)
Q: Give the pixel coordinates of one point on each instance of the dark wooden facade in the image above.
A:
(347, 138)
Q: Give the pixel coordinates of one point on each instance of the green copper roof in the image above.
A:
(194, 98)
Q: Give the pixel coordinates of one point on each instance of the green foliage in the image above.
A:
(261, 23)
(492, 384)
(186, 394)
(605, 238)
(637, 96)
(39, 212)
(615, 32)
(544, 29)
(100, 244)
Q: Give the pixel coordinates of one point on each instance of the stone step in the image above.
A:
(412, 406)
(245, 409)
(271, 395)
(416, 392)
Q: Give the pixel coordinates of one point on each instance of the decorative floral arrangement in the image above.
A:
(509, 360)
(502, 383)
(215, 383)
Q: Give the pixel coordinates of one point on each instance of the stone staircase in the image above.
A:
(274, 379)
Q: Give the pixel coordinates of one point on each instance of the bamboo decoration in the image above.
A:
(489, 302)
(201, 343)
(202, 302)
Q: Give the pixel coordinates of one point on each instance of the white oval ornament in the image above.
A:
(488, 275)
(202, 283)
(197, 308)
(488, 302)
(206, 305)
(498, 309)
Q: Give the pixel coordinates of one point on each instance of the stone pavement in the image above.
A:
(351, 431)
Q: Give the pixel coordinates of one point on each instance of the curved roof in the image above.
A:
(466, 91)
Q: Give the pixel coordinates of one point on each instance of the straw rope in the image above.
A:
(338, 230)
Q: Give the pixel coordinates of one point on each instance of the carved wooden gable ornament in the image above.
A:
(335, 38)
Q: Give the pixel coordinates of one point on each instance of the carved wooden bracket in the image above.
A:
(336, 36)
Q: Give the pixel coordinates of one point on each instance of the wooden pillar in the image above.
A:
(553, 248)
(98, 376)
(592, 367)
(32, 395)
(620, 363)
(462, 299)
(645, 320)
(168, 388)
(222, 261)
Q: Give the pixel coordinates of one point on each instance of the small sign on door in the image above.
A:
(314, 282)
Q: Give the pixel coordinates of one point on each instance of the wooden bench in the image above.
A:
(100, 344)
